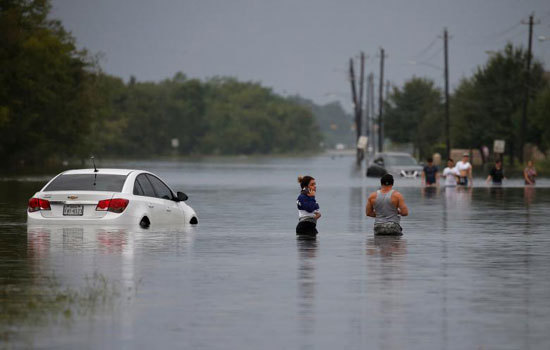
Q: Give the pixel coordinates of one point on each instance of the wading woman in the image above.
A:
(308, 209)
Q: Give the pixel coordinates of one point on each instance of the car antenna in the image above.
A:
(93, 162)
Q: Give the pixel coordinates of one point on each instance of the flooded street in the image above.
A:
(470, 272)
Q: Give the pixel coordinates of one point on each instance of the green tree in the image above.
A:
(540, 120)
(488, 105)
(245, 118)
(414, 114)
(335, 124)
(185, 112)
(45, 90)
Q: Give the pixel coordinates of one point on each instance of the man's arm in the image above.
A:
(401, 206)
(369, 210)
(490, 176)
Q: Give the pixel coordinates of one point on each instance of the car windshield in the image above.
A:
(87, 182)
(403, 160)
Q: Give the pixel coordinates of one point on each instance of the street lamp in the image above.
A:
(543, 38)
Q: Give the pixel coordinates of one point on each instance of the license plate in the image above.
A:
(73, 210)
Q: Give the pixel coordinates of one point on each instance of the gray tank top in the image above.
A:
(385, 210)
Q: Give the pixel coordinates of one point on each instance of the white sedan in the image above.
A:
(109, 196)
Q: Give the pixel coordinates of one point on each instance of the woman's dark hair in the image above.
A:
(304, 181)
(430, 159)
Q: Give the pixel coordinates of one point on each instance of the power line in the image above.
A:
(545, 16)
(427, 48)
(503, 32)
(496, 36)
(434, 55)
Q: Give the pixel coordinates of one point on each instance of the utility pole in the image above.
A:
(526, 97)
(359, 116)
(368, 110)
(355, 103)
(353, 88)
(372, 111)
(381, 104)
(358, 101)
(447, 112)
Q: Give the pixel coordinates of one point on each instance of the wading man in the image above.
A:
(386, 206)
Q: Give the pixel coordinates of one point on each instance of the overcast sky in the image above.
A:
(299, 46)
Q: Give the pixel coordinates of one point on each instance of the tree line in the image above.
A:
(484, 107)
(56, 104)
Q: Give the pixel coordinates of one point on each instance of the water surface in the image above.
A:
(470, 271)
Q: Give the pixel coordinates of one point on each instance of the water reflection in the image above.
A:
(528, 195)
(357, 202)
(458, 199)
(496, 192)
(307, 252)
(429, 192)
(43, 239)
(470, 271)
(386, 246)
(111, 240)
(388, 283)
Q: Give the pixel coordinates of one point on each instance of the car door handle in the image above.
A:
(169, 210)
(150, 205)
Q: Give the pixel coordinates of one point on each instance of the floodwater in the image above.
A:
(472, 270)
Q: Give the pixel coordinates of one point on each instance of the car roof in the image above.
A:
(101, 171)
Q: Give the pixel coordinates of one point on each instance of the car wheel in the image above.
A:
(194, 220)
(145, 223)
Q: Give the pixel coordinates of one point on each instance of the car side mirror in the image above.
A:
(379, 161)
(182, 197)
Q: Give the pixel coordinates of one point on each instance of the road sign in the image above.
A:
(499, 146)
(362, 142)
(175, 142)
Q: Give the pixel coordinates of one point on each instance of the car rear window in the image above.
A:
(87, 182)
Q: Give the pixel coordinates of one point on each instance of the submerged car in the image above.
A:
(109, 196)
(395, 163)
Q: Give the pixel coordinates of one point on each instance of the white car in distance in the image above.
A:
(109, 196)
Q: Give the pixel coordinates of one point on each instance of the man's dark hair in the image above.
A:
(430, 159)
(450, 159)
(386, 180)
